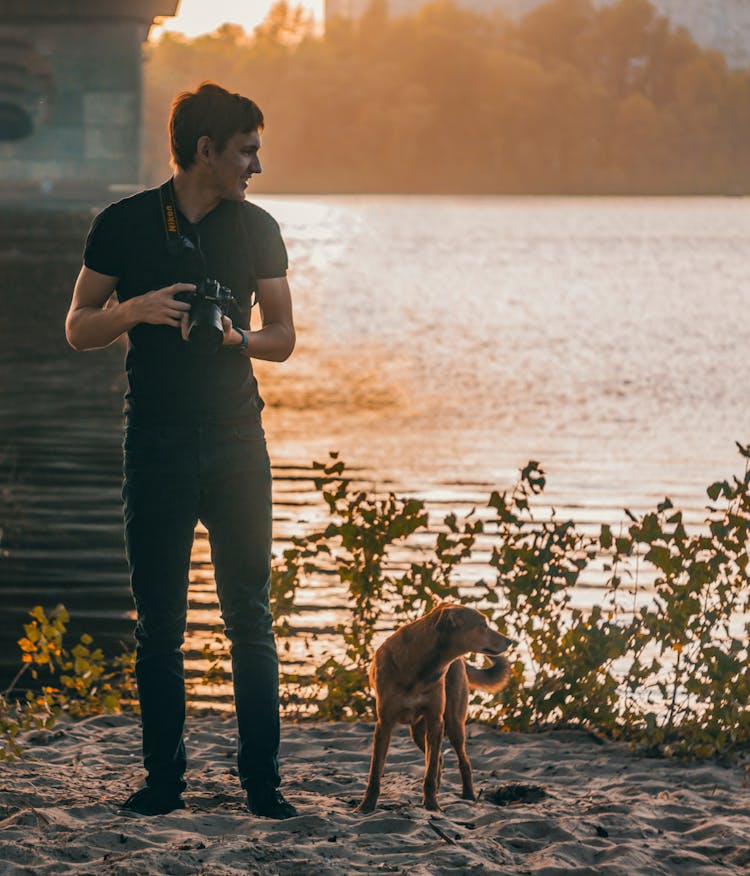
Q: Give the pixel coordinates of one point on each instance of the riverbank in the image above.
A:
(604, 811)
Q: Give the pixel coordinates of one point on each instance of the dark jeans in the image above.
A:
(221, 475)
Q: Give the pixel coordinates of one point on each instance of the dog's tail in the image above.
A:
(492, 679)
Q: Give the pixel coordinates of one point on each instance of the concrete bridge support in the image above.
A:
(70, 93)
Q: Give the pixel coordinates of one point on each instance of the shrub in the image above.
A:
(80, 681)
(663, 665)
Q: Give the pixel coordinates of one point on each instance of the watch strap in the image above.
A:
(245, 338)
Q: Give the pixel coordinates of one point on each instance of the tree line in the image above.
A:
(570, 99)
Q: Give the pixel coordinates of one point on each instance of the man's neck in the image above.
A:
(194, 198)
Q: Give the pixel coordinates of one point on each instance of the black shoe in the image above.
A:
(269, 803)
(152, 801)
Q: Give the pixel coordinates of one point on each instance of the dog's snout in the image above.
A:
(503, 643)
(497, 643)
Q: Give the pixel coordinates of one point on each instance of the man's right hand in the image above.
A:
(159, 307)
(93, 323)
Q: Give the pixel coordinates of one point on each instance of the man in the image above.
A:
(194, 445)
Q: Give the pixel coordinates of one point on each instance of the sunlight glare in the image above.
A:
(196, 17)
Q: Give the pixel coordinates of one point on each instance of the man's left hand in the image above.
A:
(231, 337)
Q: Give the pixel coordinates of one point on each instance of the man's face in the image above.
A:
(236, 163)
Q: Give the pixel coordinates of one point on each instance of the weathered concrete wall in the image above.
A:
(70, 92)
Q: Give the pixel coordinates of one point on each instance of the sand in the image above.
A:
(605, 810)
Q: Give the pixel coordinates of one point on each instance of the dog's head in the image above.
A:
(468, 628)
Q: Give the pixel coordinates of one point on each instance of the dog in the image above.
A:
(419, 678)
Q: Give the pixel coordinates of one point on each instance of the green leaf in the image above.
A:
(660, 557)
(623, 545)
(715, 490)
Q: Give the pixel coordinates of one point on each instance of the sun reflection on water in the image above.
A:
(443, 342)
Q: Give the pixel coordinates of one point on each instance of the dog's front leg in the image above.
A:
(380, 743)
(432, 762)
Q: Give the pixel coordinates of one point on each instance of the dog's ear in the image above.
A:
(448, 619)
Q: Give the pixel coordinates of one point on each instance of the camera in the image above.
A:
(208, 303)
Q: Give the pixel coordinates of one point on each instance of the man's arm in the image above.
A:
(275, 341)
(91, 324)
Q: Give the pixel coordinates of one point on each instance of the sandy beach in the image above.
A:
(604, 811)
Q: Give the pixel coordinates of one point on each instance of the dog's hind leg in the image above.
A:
(380, 743)
(456, 732)
(417, 733)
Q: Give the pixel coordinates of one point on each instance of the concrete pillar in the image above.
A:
(71, 92)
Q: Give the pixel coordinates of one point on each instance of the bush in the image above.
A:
(79, 682)
(663, 666)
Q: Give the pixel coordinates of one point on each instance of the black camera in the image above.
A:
(208, 303)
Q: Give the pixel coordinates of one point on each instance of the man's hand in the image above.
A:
(231, 337)
(95, 321)
(160, 308)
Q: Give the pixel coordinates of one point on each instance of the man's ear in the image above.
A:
(204, 149)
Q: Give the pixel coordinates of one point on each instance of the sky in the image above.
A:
(195, 17)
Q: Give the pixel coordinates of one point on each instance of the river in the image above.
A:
(442, 343)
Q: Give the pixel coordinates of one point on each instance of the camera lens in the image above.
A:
(205, 331)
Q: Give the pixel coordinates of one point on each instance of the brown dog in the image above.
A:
(419, 678)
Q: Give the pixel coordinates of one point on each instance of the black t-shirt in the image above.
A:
(167, 382)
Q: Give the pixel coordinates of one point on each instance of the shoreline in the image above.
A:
(605, 811)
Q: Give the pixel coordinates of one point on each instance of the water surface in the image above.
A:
(442, 343)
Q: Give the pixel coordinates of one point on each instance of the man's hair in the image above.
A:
(210, 111)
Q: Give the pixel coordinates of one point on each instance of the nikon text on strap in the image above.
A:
(177, 242)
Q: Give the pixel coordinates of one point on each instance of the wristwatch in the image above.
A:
(245, 338)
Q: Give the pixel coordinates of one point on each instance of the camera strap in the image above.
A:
(176, 241)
